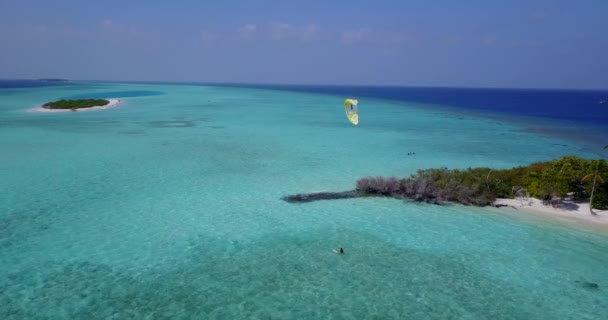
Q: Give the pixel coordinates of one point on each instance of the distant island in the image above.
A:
(76, 104)
(53, 80)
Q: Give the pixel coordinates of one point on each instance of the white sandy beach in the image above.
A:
(567, 211)
(113, 103)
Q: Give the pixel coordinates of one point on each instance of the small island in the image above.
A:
(76, 105)
(53, 80)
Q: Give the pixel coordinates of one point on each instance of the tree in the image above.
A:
(595, 176)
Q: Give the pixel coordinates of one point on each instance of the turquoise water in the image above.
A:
(169, 207)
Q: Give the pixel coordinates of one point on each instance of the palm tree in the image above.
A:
(595, 176)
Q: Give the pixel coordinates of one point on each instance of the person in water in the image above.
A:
(341, 250)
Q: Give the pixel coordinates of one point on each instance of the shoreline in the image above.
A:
(568, 211)
(113, 103)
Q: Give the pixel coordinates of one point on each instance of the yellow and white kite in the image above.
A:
(350, 107)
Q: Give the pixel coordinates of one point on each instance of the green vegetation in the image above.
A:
(596, 176)
(75, 104)
(568, 177)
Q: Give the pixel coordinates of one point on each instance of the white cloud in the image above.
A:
(539, 16)
(280, 31)
(454, 40)
(310, 32)
(207, 36)
(41, 28)
(354, 36)
(489, 40)
(284, 31)
(109, 25)
(248, 31)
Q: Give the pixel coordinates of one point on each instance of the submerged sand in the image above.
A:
(566, 211)
(113, 103)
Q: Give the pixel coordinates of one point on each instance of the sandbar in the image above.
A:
(565, 211)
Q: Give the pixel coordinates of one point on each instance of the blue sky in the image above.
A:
(539, 44)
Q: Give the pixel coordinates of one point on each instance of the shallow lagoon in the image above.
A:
(169, 207)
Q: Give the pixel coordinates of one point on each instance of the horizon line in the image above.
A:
(221, 83)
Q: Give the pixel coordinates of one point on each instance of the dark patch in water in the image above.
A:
(172, 124)
(19, 225)
(61, 123)
(132, 132)
(115, 94)
(310, 197)
(197, 106)
(589, 285)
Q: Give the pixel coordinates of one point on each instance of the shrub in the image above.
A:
(481, 186)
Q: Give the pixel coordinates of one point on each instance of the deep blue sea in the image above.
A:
(577, 105)
(573, 114)
(7, 84)
(169, 205)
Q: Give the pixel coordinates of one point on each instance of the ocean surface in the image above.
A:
(169, 206)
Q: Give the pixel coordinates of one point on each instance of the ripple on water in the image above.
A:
(172, 124)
